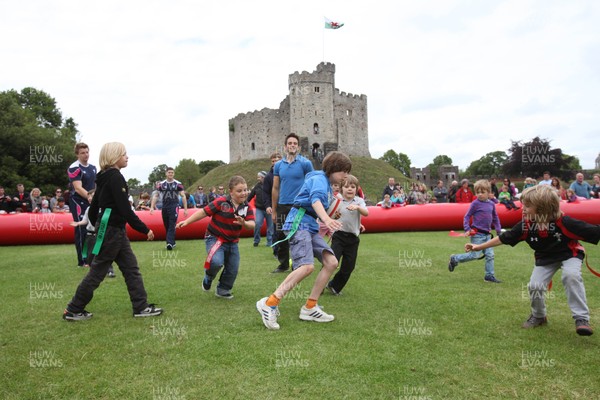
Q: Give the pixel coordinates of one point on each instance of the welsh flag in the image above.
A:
(329, 24)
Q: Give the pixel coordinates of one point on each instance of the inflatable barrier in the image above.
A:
(23, 229)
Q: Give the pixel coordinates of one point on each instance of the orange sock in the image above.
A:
(310, 303)
(273, 301)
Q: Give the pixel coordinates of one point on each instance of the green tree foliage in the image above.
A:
(36, 144)
(208, 165)
(489, 165)
(134, 183)
(438, 161)
(536, 156)
(158, 174)
(400, 161)
(187, 172)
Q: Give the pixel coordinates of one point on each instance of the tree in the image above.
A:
(187, 172)
(208, 165)
(489, 165)
(438, 161)
(400, 161)
(36, 145)
(134, 183)
(158, 174)
(534, 157)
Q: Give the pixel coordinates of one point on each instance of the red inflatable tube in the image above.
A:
(23, 229)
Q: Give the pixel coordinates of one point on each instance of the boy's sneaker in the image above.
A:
(170, 246)
(150, 311)
(269, 314)
(583, 328)
(71, 316)
(111, 274)
(227, 295)
(491, 278)
(452, 264)
(332, 290)
(534, 322)
(315, 314)
(206, 283)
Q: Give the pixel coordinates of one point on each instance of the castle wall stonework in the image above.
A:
(314, 109)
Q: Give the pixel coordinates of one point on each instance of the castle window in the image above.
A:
(316, 128)
(316, 89)
(349, 113)
(253, 146)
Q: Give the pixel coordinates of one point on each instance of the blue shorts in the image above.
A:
(305, 246)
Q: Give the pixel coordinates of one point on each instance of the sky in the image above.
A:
(455, 77)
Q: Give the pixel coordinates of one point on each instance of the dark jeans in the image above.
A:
(116, 247)
(283, 248)
(228, 258)
(77, 206)
(169, 217)
(344, 246)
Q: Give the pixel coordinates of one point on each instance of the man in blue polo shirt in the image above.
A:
(82, 177)
(581, 187)
(288, 178)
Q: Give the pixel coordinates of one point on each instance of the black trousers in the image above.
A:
(116, 247)
(283, 248)
(77, 206)
(344, 246)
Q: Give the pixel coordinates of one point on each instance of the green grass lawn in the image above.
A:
(405, 328)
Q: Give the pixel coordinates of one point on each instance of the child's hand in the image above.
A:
(150, 235)
(73, 223)
(181, 224)
(352, 207)
(239, 220)
(470, 247)
(333, 224)
(467, 233)
(362, 228)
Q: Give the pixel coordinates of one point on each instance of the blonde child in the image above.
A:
(554, 237)
(478, 223)
(229, 214)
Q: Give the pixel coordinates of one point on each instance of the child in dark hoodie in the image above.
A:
(111, 207)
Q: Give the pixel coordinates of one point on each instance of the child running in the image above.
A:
(302, 230)
(478, 224)
(554, 239)
(111, 208)
(229, 214)
(345, 241)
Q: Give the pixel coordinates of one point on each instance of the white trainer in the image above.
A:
(315, 314)
(269, 314)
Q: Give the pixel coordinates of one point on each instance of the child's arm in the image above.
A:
(239, 220)
(80, 223)
(478, 247)
(197, 216)
(326, 219)
(362, 210)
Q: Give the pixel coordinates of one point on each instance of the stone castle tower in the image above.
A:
(324, 118)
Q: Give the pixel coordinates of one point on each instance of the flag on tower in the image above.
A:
(329, 24)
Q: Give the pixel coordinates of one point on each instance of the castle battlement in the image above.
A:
(313, 109)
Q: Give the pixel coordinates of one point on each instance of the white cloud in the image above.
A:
(460, 77)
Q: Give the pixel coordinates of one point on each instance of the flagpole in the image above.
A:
(323, 29)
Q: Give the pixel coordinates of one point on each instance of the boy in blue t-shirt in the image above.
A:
(305, 242)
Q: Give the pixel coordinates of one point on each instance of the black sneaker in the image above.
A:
(170, 246)
(206, 284)
(492, 279)
(71, 316)
(332, 290)
(279, 269)
(111, 274)
(150, 311)
(583, 328)
(227, 295)
(534, 322)
(452, 264)
(255, 244)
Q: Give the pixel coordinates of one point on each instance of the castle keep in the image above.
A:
(324, 118)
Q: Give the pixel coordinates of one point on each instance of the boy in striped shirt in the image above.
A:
(229, 214)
